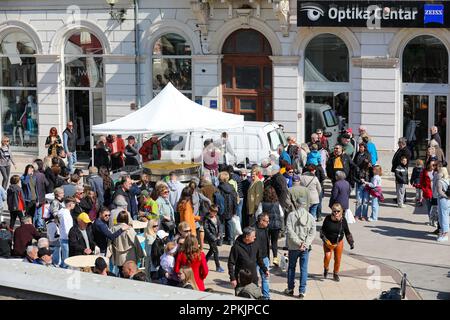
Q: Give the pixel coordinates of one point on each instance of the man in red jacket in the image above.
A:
(117, 148)
(24, 235)
(151, 149)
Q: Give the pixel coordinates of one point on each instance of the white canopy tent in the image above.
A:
(169, 111)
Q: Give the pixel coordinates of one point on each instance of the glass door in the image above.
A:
(416, 109)
(85, 109)
(440, 120)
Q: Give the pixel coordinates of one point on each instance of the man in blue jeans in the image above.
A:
(301, 229)
(70, 146)
(262, 240)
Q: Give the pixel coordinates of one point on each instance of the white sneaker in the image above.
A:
(442, 238)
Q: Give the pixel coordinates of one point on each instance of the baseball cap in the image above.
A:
(84, 217)
(131, 138)
(100, 263)
(44, 252)
(296, 178)
(162, 234)
(350, 130)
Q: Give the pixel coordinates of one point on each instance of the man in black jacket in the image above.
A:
(339, 161)
(81, 238)
(101, 231)
(245, 254)
(262, 241)
(402, 151)
(213, 235)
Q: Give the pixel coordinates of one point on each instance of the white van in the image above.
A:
(324, 117)
(255, 142)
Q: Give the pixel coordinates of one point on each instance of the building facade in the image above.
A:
(62, 61)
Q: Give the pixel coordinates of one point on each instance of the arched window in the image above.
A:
(18, 89)
(326, 59)
(83, 60)
(247, 75)
(425, 60)
(171, 61)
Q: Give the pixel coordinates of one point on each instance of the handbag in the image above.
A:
(349, 216)
(236, 225)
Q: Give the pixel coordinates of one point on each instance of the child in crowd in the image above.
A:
(246, 288)
(16, 204)
(401, 181)
(187, 279)
(374, 188)
(212, 235)
(415, 181)
(314, 156)
(167, 275)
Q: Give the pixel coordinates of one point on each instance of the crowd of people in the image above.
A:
(248, 209)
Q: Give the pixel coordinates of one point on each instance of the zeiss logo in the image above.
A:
(313, 11)
(434, 13)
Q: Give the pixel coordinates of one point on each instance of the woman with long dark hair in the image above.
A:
(271, 205)
(53, 142)
(190, 255)
(28, 181)
(107, 185)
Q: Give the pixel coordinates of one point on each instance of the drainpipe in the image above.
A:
(137, 54)
(137, 62)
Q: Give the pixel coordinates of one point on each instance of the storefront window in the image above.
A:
(326, 59)
(83, 61)
(18, 104)
(172, 62)
(425, 60)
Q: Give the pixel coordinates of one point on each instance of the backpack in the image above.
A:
(447, 191)
(219, 200)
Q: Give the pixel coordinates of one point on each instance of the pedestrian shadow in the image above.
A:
(435, 243)
(399, 232)
(443, 296)
(399, 220)
(222, 283)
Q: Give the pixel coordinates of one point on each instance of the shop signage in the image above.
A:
(374, 14)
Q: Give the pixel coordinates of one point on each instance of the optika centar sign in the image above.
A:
(405, 14)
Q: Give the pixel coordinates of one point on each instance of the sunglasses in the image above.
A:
(336, 211)
(156, 226)
(290, 172)
(107, 215)
(187, 230)
(165, 192)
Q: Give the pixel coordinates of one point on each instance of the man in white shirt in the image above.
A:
(225, 147)
(65, 224)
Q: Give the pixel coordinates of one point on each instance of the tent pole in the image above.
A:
(92, 149)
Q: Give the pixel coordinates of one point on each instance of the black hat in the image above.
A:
(44, 252)
(130, 138)
(100, 263)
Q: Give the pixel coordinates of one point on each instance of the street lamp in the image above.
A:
(118, 14)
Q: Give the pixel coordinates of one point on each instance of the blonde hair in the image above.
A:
(149, 231)
(338, 206)
(379, 169)
(4, 139)
(224, 176)
(444, 173)
(189, 277)
(169, 246)
(419, 162)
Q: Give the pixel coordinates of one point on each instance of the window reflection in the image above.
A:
(326, 59)
(171, 63)
(425, 60)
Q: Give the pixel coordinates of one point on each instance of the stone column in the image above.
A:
(288, 107)
(206, 71)
(375, 101)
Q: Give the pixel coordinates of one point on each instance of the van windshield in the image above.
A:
(274, 139)
(330, 118)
